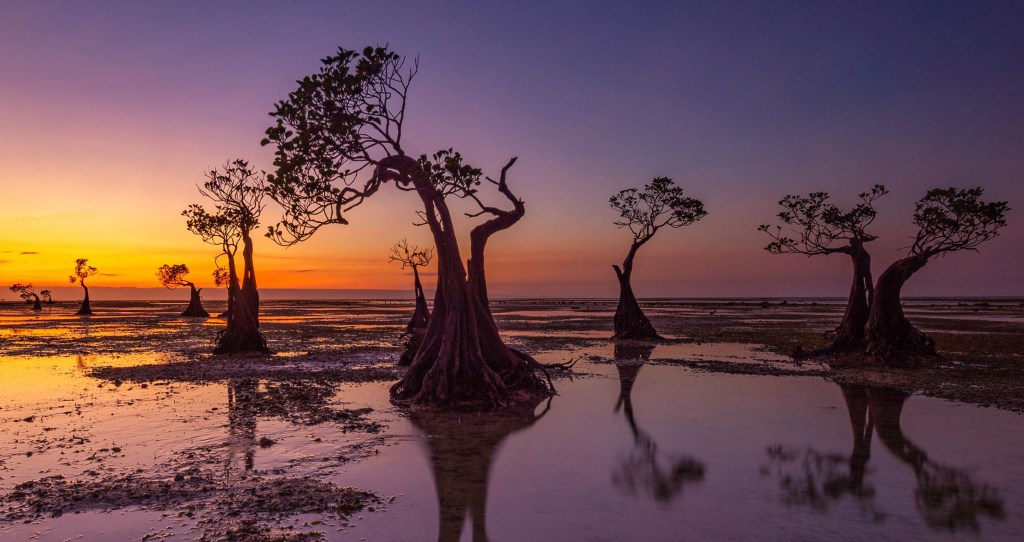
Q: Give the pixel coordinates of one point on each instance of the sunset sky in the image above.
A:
(110, 115)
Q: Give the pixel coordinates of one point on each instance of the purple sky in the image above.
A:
(119, 108)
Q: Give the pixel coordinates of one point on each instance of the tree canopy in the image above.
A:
(661, 203)
(173, 276)
(331, 132)
(82, 271)
(25, 291)
(410, 255)
(951, 219)
(819, 226)
(221, 277)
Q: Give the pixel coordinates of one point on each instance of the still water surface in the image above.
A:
(632, 448)
(675, 455)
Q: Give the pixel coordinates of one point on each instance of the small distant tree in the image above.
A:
(83, 271)
(948, 220)
(173, 276)
(414, 257)
(818, 227)
(237, 192)
(47, 296)
(28, 293)
(658, 205)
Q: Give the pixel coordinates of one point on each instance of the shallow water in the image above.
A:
(695, 459)
(636, 446)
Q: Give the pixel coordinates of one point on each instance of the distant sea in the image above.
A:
(74, 294)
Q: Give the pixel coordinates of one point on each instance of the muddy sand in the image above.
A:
(125, 415)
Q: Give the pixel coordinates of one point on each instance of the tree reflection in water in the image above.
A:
(947, 497)
(462, 447)
(642, 471)
(299, 401)
(243, 396)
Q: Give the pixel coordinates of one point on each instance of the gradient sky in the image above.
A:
(109, 116)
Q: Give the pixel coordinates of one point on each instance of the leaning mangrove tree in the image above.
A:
(338, 140)
(414, 257)
(818, 227)
(174, 276)
(659, 205)
(83, 271)
(948, 220)
(28, 293)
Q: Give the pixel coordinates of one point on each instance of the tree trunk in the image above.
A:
(85, 310)
(422, 314)
(36, 306)
(243, 331)
(891, 339)
(195, 303)
(630, 321)
(850, 332)
(417, 327)
(233, 287)
(462, 362)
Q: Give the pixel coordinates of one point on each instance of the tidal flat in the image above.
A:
(122, 426)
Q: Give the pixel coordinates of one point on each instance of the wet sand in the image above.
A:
(121, 426)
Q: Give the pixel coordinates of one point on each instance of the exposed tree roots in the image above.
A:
(229, 342)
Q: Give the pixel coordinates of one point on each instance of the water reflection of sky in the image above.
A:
(632, 448)
(562, 477)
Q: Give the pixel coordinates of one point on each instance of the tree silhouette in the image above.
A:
(173, 276)
(47, 296)
(414, 257)
(237, 193)
(949, 220)
(819, 227)
(28, 293)
(339, 139)
(83, 271)
(646, 470)
(660, 204)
